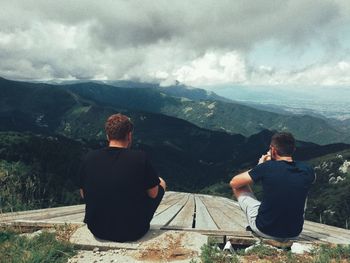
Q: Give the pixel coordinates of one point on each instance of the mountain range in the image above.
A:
(188, 148)
(211, 111)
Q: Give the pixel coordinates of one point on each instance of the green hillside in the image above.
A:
(47, 129)
(329, 200)
(214, 115)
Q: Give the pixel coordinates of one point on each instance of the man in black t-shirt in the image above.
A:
(120, 186)
(280, 214)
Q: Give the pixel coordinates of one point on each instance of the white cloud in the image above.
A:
(213, 68)
(200, 42)
(319, 74)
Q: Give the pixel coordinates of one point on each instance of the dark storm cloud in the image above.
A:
(120, 39)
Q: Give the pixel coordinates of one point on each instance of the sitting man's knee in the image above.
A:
(162, 183)
(242, 190)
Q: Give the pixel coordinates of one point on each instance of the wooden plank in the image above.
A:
(68, 218)
(332, 230)
(229, 208)
(325, 237)
(168, 196)
(38, 224)
(165, 205)
(49, 215)
(221, 215)
(213, 232)
(167, 215)
(184, 219)
(203, 218)
(233, 210)
(38, 212)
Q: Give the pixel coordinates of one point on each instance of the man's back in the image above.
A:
(285, 188)
(114, 181)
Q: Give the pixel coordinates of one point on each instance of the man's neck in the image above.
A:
(119, 144)
(284, 158)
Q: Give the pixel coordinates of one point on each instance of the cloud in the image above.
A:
(198, 42)
(331, 74)
(213, 68)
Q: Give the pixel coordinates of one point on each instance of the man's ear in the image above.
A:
(129, 138)
(273, 153)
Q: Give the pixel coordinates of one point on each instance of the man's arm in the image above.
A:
(244, 179)
(153, 192)
(241, 180)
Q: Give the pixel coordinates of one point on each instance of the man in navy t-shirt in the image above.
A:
(280, 214)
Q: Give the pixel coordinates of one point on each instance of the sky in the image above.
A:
(198, 42)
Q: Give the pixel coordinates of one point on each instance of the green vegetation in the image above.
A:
(212, 253)
(329, 198)
(41, 248)
(325, 254)
(37, 171)
(261, 253)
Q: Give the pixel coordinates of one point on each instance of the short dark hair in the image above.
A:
(284, 143)
(118, 126)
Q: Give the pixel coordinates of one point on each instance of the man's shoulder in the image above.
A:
(135, 153)
(123, 151)
(304, 165)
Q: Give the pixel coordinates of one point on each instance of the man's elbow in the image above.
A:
(233, 183)
(152, 193)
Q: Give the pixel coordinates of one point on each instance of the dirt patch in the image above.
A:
(65, 232)
(170, 247)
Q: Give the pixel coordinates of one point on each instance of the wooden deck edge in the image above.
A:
(35, 225)
(207, 232)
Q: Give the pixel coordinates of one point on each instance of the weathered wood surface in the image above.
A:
(210, 215)
(203, 218)
(184, 219)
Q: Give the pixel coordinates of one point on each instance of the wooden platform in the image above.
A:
(209, 215)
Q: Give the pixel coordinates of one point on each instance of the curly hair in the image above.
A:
(118, 126)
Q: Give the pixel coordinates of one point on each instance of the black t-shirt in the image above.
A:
(285, 187)
(115, 181)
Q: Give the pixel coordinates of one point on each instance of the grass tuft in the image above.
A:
(326, 253)
(262, 251)
(41, 248)
(213, 254)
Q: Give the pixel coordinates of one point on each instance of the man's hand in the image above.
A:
(265, 157)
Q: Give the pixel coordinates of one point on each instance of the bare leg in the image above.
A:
(244, 189)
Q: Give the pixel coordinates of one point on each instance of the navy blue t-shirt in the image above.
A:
(285, 188)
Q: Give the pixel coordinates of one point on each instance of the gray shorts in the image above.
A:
(250, 206)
